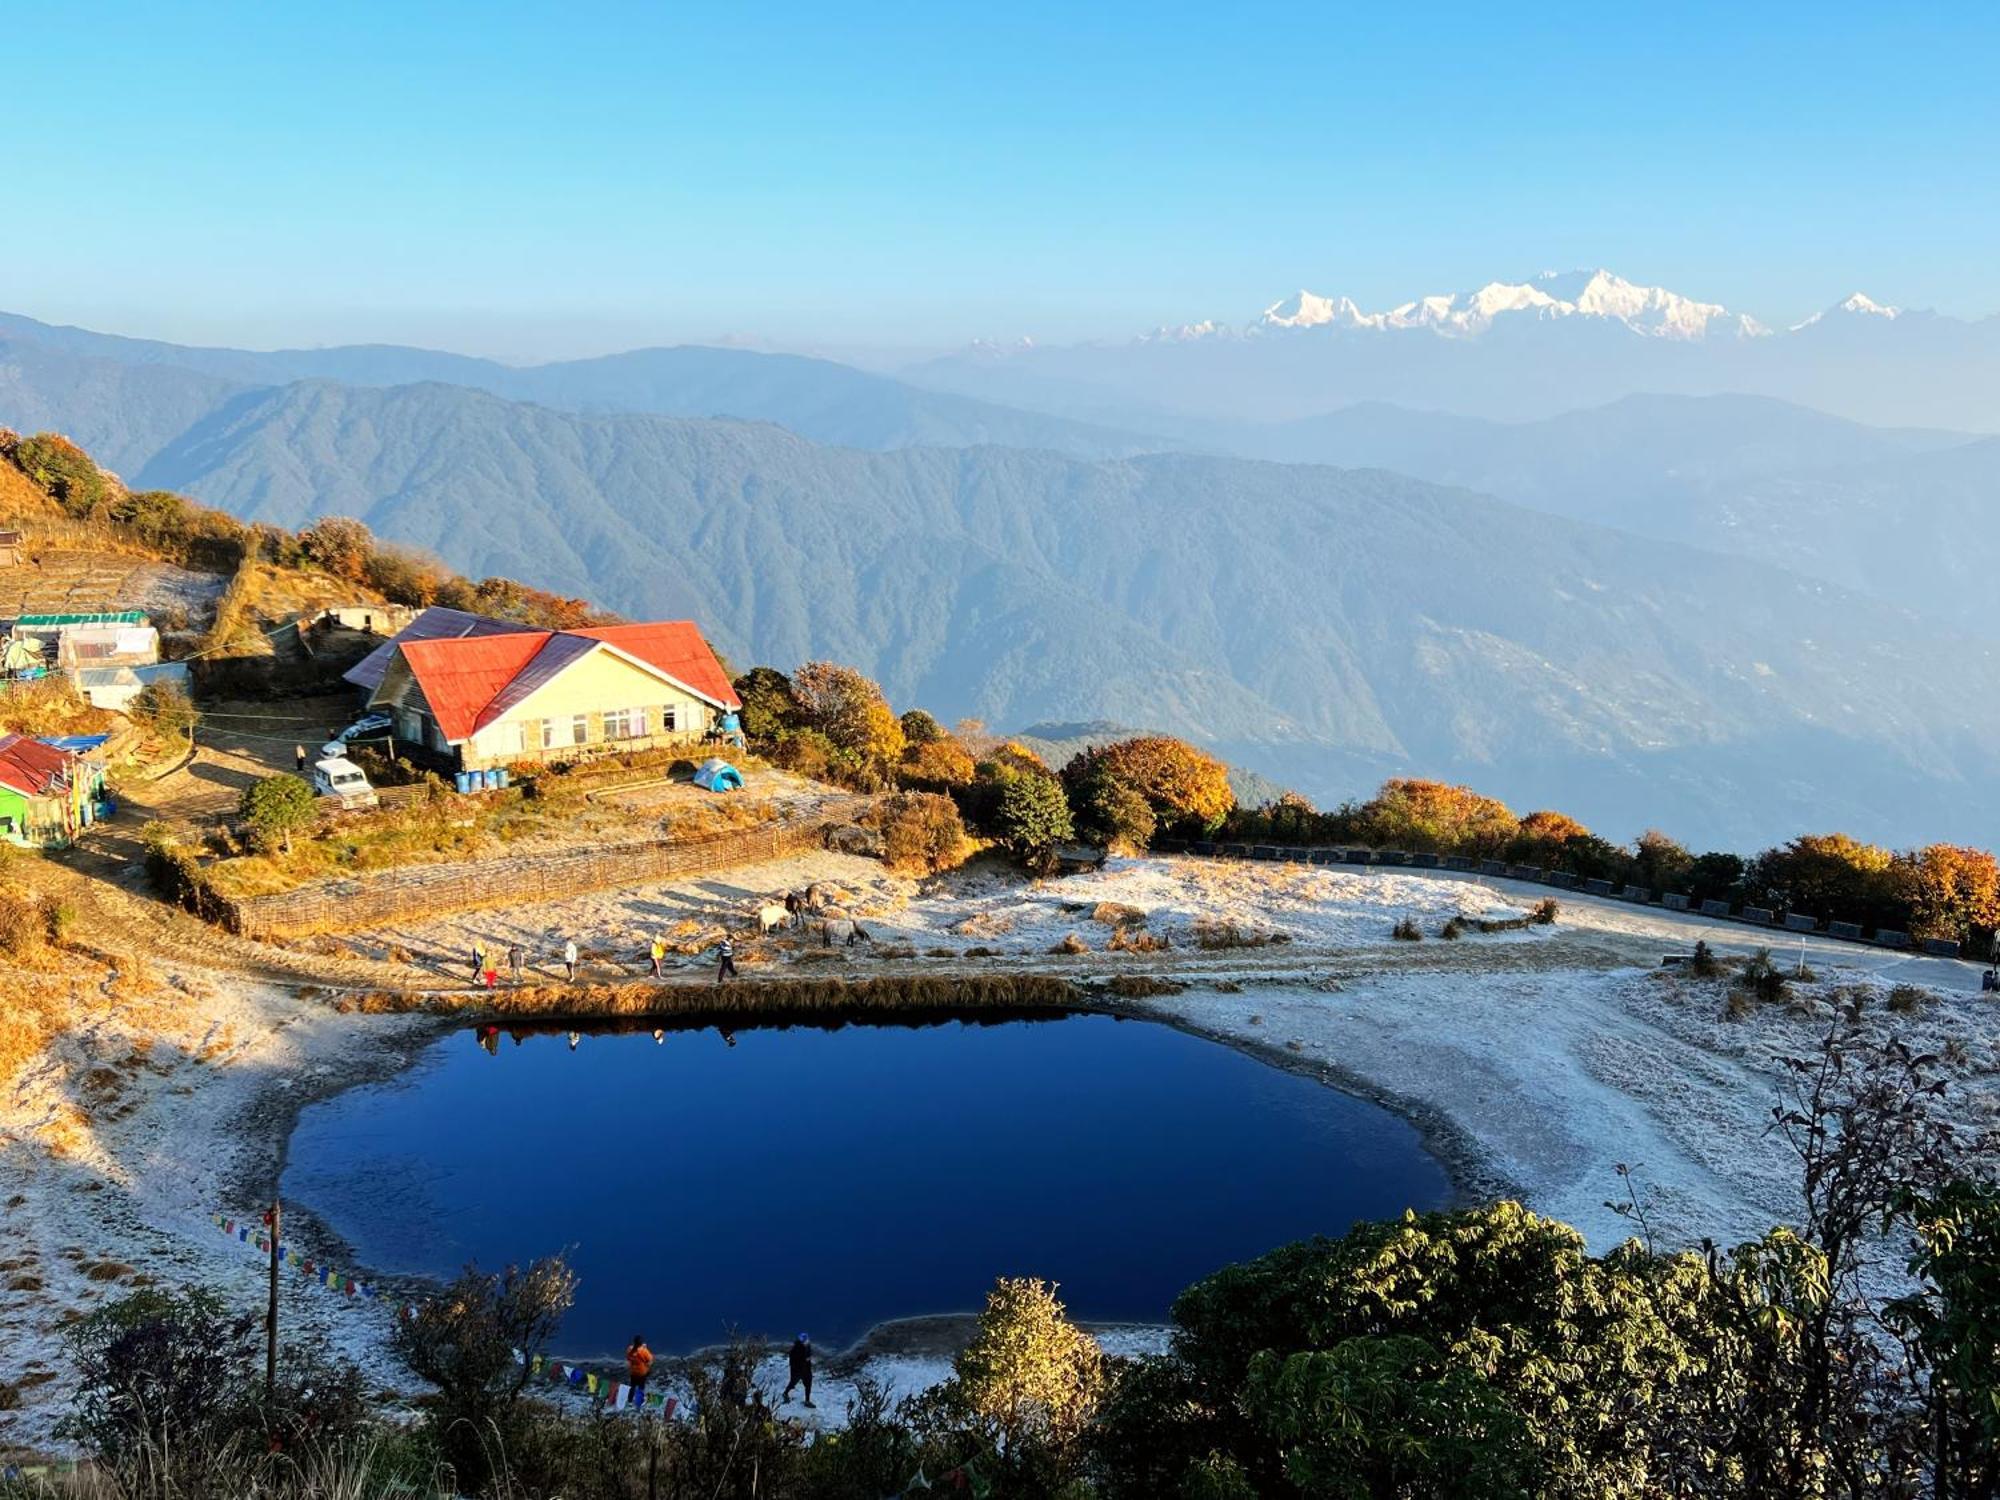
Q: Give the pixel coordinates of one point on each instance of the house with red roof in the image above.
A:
(47, 791)
(483, 692)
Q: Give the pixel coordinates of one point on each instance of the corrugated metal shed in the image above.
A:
(32, 768)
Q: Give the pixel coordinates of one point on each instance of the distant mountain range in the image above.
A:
(1510, 351)
(1909, 515)
(104, 375)
(1326, 626)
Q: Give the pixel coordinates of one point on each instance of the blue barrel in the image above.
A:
(500, 778)
(481, 780)
(463, 781)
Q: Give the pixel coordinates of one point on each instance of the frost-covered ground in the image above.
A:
(1537, 1059)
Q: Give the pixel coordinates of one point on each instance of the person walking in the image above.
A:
(801, 1357)
(638, 1364)
(299, 758)
(659, 956)
(514, 960)
(726, 951)
(478, 959)
(490, 969)
(569, 959)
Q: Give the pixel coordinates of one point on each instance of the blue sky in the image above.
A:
(532, 180)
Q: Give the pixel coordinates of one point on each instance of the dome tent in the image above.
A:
(719, 776)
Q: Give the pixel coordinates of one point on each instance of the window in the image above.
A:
(511, 740)
(548, 734)
(579, 730)
(669, 719)
(625, 724)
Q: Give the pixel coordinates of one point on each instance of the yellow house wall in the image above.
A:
(590, 686)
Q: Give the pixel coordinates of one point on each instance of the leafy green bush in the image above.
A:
(276, 807)
(1033, 819)
(1108, 811)
(165, 709)
(56, 464)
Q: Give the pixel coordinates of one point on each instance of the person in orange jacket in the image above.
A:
(638, 1364)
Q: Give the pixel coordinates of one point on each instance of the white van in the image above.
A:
(336, 776)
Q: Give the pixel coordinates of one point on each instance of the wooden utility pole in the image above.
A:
(271, 1311)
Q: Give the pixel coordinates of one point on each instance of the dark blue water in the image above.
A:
(827, 1180)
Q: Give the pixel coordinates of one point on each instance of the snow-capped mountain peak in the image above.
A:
(1860, 305)
(1304, 309)
(1598, 294)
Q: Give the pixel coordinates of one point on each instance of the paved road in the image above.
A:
(1677, 932)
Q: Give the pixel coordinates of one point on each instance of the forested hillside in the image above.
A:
(1324, 625)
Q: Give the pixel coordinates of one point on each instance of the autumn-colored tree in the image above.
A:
(922, 831)
(849, 710)
(1184, 786)
(340, 545)
(1017, 758)
(936, 763)
(405, 575)
(1552, 827)
(1952, 892)
(1542, 838)
(1437, 818)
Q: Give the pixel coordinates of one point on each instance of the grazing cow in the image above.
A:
(771, 916)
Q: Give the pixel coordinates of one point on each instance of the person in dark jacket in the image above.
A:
(726, 969)
(802, 1369)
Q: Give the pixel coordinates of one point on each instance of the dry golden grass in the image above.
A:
(1143, 986)
(772, 997)
(1221, 933)
(49, 705)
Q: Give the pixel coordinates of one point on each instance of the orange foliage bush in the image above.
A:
(1436, 817)
(1183, 785)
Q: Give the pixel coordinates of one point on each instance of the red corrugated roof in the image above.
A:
(30, 767)
(462, 677)
(676, 647)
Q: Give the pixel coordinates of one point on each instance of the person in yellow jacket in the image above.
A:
(659, 955)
